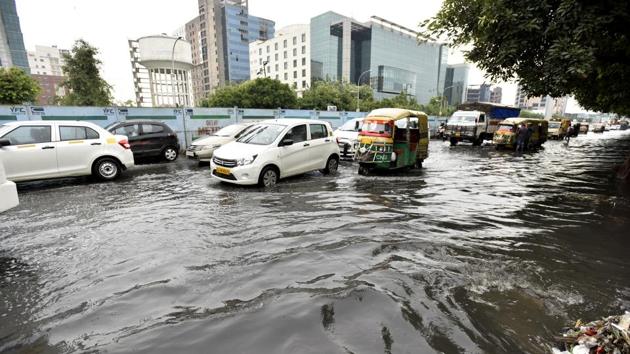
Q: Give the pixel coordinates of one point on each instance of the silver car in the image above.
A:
(202, 149)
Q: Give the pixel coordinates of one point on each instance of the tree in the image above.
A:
(84, 85)
(259, 93)
(530, 114)
(555, 47)
(16, 87)
(334, 93)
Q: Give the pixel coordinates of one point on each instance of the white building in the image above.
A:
(46, 60)
(153, 59)
(286, 57)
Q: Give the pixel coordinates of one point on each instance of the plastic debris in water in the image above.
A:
(606, 336)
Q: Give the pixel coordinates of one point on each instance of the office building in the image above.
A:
(161, 67)
(546, 105)
(478, 93)
(455, 83)
(496, 95)
(286, 57)
(225, 29)
(12, 51)
(46, 65)
(378, 52)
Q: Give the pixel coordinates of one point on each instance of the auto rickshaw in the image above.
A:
(505, 136)
(392, 138)
(558, 128)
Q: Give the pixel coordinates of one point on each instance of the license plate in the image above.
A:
(222, 170)
(190, 154)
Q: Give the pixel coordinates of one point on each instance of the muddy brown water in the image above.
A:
(482, 251)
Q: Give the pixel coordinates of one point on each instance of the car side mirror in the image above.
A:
(360, 130)
(5, 142)
(286, 142)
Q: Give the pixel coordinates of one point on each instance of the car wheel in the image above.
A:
(268, 177)
(453, 142)
(106, 169)
(332, 165)
(170, 154)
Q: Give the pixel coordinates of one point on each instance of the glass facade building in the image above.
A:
(12, 51)
(240, 30)
(379, 52)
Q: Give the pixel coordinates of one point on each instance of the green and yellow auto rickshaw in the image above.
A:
(392, 138)
(505, 136)
(558, 128)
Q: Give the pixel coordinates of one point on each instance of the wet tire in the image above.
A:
(106, 169)
(418, 164)
(332, 165)
(170, 154)
(268, 177)
(453, 142)
(363, 171)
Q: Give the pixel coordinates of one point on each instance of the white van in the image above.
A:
(8, 191)
(276, 149)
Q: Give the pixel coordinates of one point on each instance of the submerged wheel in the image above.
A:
(418, 164)
(106, 169)
(170, 154)
(268, 177)
(332, 165)
(453, 142)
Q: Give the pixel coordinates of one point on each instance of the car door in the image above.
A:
(294, 159)
(319, 146)
(77, 149)
(132, 131)
(32, 153)
(154, 138)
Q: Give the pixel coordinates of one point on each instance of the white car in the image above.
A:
(276, 149)
(34, 150)
(8, 191)
(203, 148)
(347, 136)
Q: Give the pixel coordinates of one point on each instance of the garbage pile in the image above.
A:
(606, 336)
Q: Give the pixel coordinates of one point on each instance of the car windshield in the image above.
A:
(377, 127)
(111, 126)
(351, 126)
(554, 125)
(263, 134)
(461, 119)
(229, 131)
(506, 128)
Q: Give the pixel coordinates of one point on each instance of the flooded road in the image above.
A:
(482, 251)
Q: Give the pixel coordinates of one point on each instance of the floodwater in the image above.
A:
(482, 251)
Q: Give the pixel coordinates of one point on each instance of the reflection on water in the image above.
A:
(481, 251)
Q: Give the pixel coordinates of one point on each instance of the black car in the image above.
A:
(148, 139)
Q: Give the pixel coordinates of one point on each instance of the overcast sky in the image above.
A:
(109, 24)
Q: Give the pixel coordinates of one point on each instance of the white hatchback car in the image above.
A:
(49, 149)
(277, 149)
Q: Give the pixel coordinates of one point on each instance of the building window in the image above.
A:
(286, 76)
(303, 37)
(295, 63)
(259, 51)
(285, 54)
(295, 74)
(286, 65)
(268, 49)
(276, 56)
(275, 46)
(294, 40)
(303, 61)
(303, 49)
(303, 83)
(303, 72)
(277, 68)
(285, 43)
(277, 77)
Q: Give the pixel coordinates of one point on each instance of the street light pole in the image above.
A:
(176, 91)
(359, 88)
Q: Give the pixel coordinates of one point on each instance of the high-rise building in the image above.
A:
(161, 68)
(46, 65)
(546, 105)
(225, 30)
(455, 83)
(478, 93)
(286, 57)
(379, 52)
(12, 51)
(496, 95)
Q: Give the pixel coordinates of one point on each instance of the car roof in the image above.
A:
(395, 114)
(292, 121)
(141, 121)
(50, 122)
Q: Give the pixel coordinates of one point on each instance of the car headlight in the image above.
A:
(246, 161)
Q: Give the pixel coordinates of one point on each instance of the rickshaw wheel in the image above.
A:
(418, 164)
(364, 171)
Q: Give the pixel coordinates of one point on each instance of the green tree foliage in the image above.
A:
(557, 47)
(333, 93)
(259, 93)
(16, 87)
(84, 85)
(530, 114)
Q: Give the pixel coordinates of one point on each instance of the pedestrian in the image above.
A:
(521, 137)
(570, 133)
